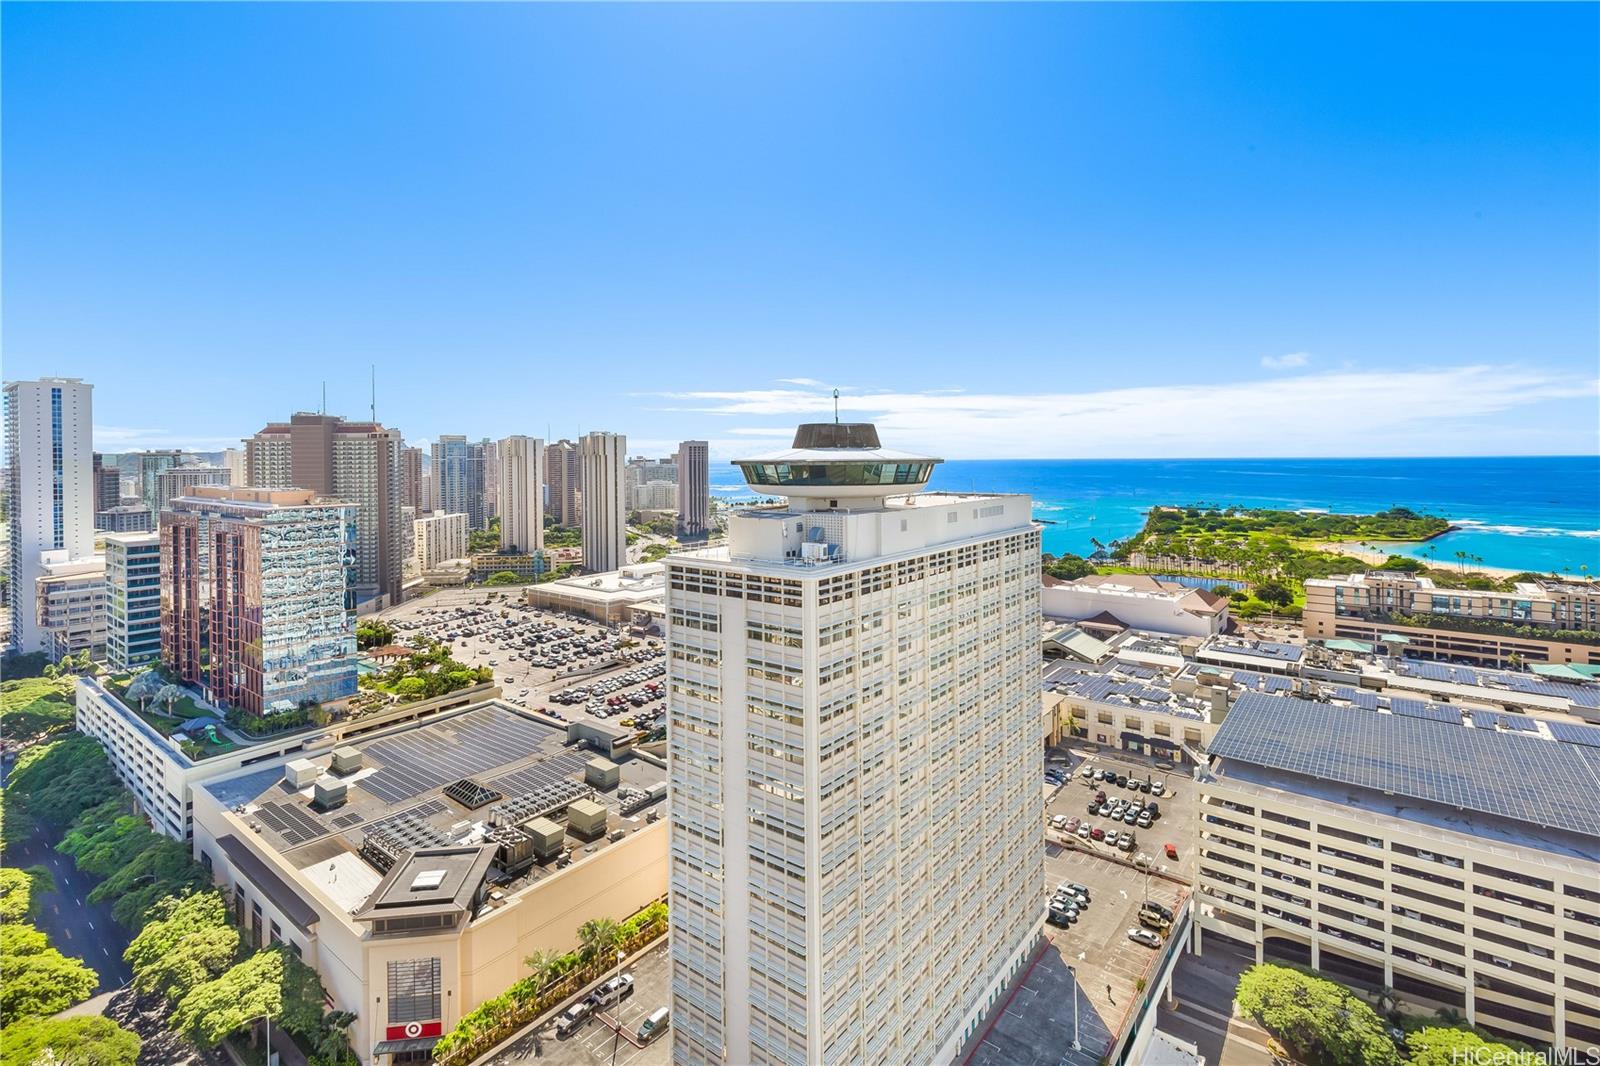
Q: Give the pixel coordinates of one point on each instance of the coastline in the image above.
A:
(1376, 558)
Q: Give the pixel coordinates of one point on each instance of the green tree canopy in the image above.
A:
(373, 633)
(53, 783)
(86, 1041)
(270, 982)
(1440, 1046)
(184, 943)
(1319, 1020)
(1275, 593)
(39, 980)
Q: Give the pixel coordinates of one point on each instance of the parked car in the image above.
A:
(573, 1017)
(1159, 788)
(654, 1025)
(1072, 825)
(1097, 833)
(1084, 830)
(613, 991)
(1145, 937)
(1059, 917)
(1172, 851)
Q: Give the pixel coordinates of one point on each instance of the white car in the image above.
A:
(1145, 937)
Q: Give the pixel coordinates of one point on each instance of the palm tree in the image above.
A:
(542, 963)
(598, 936)
(332, 1043)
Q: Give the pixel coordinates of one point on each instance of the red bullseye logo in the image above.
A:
(413, 1029)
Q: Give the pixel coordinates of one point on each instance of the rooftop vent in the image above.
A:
(328, 793)
(346, 760)
(427, 880)
(298, 773)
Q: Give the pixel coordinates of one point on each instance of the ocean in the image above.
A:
(1524, 513)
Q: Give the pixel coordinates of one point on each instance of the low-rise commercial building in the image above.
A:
(1538, 621)
(615, 596)
(129, 518)
(70, 604)
(416, 868)
(133, 599)
(1137, 602)
(1453, 858)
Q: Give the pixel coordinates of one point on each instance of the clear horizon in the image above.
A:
(1063, 232)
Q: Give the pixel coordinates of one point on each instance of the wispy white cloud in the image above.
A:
(133, 438)
(1292, 361)
(1401, 412)
(809, 383)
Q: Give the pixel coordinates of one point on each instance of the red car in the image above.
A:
(1172, 851)
(1072, 825)
(1097, 833)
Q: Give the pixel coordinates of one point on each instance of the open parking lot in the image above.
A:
(1086, 978)
(610, 1031)
(537, 654)
(1178, 804)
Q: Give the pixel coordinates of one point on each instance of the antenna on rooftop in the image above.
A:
(374, 393)
(836, 407)
(324, 399)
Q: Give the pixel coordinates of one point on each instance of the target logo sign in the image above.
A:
(414, 1030)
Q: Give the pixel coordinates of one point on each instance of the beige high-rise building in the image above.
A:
(564, 478)
(233, 462)
(491, 479)
(605, 509)
(411, 478)
(181, 479)
(694, 488)
(521, 488)
(853, 754)
(358, 462)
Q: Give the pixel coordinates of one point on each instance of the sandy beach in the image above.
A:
(1376, 558)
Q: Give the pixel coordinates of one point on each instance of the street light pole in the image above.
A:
(1073, 973)
(616, 1030)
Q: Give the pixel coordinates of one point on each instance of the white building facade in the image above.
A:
(50, 466)
(438, 537)
(604, 506)
(521, 490)
(854, 743)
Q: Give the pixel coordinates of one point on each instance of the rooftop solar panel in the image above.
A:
(1587, 735)
(1432, 711)
(1513, 775)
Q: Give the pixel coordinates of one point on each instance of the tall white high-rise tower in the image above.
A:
(521, 494)
(50, 470)
(854, 741)
(604, 508)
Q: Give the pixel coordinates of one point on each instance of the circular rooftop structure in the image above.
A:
(838, 460)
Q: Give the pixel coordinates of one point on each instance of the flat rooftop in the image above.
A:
(1124, 683)
(1254, 649)
(408, 788)
(1534, 778)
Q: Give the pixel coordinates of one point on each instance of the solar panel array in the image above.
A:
(1491, 719)
(1365, 700)
(1513, 775)
(1436, 712)
(1587, 735)
(414, 762)
(1582, 693)
(1429, 671)
(291, 822)
(1255, 682)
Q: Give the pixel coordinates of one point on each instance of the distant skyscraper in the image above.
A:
(50, 485)
(107, 484)
(694, 488)
(458, 478)
(133, 599)
(605, 510)
(152, 465)
(857, 831)
(521, 505)
(70, 604)
(181, 479)
(233, 462)
(411, 478)
(262, 623)
(564, 476)
(491, 479)
(357, 462)
(438, 537)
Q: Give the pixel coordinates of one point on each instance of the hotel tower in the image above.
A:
(856, 829)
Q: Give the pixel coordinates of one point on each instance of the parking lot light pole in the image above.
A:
(616, 1018)
(1073, 973)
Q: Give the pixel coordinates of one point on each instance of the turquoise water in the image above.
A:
(1539, 513)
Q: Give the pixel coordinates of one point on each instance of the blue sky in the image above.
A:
(1002, 231)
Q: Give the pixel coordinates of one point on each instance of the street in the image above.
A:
(75, 926)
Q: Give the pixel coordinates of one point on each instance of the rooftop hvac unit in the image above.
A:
(328, 793)
(602, 772)
(381, 850)
(586, 818)
(298, 773)
(547, 837)
(541, 802)
(514, 850)
(346, 760)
